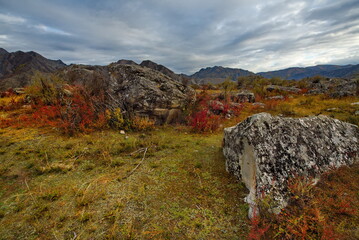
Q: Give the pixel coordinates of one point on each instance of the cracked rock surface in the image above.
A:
(265, 151)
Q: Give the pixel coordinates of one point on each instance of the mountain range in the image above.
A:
(17, 68)
(218, 74)
(330, 71)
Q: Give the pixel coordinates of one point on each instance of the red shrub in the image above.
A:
(204, 121)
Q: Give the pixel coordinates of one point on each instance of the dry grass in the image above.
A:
(57, 187)
(54, 187)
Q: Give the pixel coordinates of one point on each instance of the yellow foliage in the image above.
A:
(115, 118)
(142, 123)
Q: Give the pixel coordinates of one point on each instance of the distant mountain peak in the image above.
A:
(218, 74)
(3, 51)
(17, 68)
(126, 62)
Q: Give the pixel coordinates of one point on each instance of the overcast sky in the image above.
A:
(186, 35)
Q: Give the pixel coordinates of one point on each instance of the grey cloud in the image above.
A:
(185, 35)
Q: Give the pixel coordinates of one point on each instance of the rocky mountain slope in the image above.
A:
(17, 68)
(297, 73)
(218, 74)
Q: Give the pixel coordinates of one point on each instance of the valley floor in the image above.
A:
(167, 183)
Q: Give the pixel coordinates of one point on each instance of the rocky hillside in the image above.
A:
(297, 73)
(218, 74)
(16, 68)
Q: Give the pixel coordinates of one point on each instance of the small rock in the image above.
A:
(354, 103)
(332, 109)
(279, 97)
(246, 96)
(122, 132)
(259, 104)
(271, 88)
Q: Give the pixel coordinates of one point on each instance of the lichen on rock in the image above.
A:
(265, 151)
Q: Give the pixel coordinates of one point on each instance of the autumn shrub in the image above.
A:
(11, 103)
(207, 114)
(328, 210)
(115, 119)
(45, 88)
(203, 121)
(141, 123)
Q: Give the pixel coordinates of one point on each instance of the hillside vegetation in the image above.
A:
(87, 179)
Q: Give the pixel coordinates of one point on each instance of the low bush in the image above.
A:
(328, 210)
(207, 114)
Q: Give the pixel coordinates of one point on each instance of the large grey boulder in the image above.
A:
(265, 151)
(134, 89)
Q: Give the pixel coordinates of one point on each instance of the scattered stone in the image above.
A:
(271, 88)
(216, 107)
(332, 109)
(259, 104)
(235, 105)
(334, 87)
(245, 96)
(265, 151)
(279, 97)
(122, 132)
(354, 103)
(19, 91)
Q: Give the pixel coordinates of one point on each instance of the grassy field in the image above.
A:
(55, 187)
(167, 183)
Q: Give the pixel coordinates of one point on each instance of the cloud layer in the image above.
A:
(186, 35)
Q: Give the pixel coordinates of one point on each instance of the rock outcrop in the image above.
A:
(334, 87)
(265, 151)
(245, 96)
(281, 88)
(134, 89)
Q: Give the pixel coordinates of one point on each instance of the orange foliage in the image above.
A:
(326, 211)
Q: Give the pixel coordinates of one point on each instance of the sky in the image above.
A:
(186, 35)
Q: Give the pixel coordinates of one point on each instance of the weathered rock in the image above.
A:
(332, 109)
(245, 96)
(278, 97)
(265, 151)
(134, 89)
(216, 107)
(334, 87)
(258, 104)
(281, 88)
